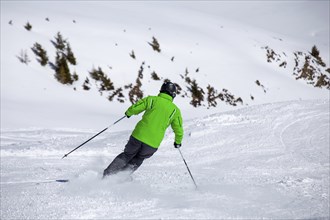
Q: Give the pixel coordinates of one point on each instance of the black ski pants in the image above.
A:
(134, 153)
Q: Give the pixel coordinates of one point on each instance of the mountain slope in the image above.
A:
(226, 46)
(266, 161)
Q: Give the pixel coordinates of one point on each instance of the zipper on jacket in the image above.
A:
(169, 119)
(151, 103)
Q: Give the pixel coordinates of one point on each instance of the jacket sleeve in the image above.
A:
(137, 108)
(177, 127)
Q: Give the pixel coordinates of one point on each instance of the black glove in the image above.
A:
(177, 145)
(127, 115)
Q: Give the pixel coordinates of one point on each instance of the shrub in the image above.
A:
(239, 99)
(262, 86)
(186, 78)
(323, 80)
(211, 96)
(129, 86)
(312, 70)
(86, 85)
(283, 64)
(136, 93)
(307, 72)
(140, 73)
(132, 54)
(229, 98)
(117, 92)
(75, 76)
(23, 57)
(270, 54)
(28, 26)
(154, 76)
(178, 89)
(316, 53)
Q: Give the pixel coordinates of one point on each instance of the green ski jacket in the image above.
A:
(160, 112)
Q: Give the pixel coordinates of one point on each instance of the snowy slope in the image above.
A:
(267, 161)
(267, 158)
(223, 39)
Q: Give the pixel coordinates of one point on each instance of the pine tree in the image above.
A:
(70, 56)
(40, 53)
(64, 57)
(59, 42)
(62, 73)
(211, 96)
(155, 45)
(105, 83)
(316, 54)
(197, 94)
(136, 93)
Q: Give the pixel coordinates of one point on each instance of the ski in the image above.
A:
(36, 182)
(62, 181)
(53, 181)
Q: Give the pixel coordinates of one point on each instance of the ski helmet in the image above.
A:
(169, 88)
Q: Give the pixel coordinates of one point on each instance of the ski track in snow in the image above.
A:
(267, 161)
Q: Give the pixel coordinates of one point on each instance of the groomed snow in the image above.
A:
(267, 158)
(267, 161)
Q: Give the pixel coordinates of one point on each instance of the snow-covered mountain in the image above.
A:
(266, 157)
(228, 46)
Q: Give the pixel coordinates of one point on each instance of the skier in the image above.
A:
(160, 112)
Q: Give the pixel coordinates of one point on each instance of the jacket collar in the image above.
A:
(165, 96)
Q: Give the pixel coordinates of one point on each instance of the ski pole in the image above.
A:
(188, 168)
(65, 155)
